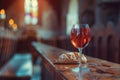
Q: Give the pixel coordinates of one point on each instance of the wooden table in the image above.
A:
(96, 68)
(19, 67)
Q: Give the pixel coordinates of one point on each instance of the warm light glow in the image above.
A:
(2, 11)
(14, 26)
(2, 14)
(11, 21)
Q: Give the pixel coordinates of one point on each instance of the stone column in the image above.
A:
(97, 16)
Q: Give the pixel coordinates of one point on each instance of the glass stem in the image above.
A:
(80, 50)
(80, 64)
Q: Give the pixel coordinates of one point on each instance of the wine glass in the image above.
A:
(80, 37)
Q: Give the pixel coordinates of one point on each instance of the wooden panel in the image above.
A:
(106, 40)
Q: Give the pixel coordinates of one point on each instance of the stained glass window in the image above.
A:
(31, 11)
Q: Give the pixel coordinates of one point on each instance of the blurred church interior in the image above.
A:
(50, 22)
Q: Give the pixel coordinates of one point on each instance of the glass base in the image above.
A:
(81, 71)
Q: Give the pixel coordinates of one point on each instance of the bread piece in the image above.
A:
(69, 57)
(77, 55)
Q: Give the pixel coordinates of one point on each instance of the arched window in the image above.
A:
(31, 11)
(72, 15)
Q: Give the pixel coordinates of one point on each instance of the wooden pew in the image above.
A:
(8, 43)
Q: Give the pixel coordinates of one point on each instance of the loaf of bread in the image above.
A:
(69, 57)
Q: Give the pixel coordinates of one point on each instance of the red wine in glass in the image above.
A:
(80, 36)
